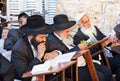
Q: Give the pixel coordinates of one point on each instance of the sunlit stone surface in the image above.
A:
(103, 13)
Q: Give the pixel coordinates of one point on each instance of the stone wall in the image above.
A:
(103, 13)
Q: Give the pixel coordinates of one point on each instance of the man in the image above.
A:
(90, 33)
(117, 32)
(115, 50)
(34, 48)
(15, 34)
(22, 19)
(62, 26)
(86, 30)
(59, 35)
(6, 70)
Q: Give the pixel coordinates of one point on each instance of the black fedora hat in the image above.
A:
(61, 22)
(36, 25)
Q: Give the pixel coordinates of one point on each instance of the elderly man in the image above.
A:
(62, 30)
(33, 48)
(15, 34)
(86, 30)
(91, 33)
(62, 26)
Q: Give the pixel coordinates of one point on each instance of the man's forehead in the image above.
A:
(84, 17)
(42, 35)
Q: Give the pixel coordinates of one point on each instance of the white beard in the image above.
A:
(90, 32)
(67, 41)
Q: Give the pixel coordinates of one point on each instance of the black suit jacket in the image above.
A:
(81, 36)
(6, 70)
(23, 59)
(13, 36)
(62, 47)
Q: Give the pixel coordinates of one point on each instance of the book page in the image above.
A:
(52, 63)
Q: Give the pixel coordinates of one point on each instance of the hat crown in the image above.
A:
(61, 22)
(36, 25)
(60, 19)
(35, 21)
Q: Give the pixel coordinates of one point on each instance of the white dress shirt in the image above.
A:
(81, 60)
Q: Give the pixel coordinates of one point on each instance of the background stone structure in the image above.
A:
(103, 13)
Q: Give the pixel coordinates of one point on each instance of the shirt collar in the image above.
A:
(57, 36)
(31, 43)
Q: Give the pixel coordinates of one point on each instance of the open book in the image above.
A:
(53, 63)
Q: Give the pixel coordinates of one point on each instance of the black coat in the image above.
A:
(23, 59)
(62, 47)
(81, 36)
(83, 72)
(13, 36)
(6, 70)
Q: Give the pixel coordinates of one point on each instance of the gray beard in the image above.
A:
(67, 41)
(90, 32)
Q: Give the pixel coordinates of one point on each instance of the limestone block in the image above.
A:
(103, 13)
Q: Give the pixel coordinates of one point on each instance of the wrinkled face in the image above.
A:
(40, 38)
(84, 22)
(5, 33)
(66, 33)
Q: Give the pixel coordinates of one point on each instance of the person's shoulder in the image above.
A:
(13, 30)
(79, 32)
(50, 36)
(20, 44)
(96, 27)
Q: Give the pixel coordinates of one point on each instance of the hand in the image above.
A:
(50, 55)
(83, 46)
(41, 50)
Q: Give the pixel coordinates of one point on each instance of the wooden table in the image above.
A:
(88, 58)
(60, 69)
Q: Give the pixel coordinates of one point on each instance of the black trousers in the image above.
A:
(104, 74)
(115, 66)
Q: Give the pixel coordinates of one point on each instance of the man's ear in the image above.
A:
(58, 32)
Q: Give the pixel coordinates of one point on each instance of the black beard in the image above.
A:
(35, 43)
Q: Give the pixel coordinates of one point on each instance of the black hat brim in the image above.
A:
(58, 27)
(47, 29)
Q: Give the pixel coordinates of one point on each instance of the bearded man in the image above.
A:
(33, 48)
(62, 32)
(86, 30)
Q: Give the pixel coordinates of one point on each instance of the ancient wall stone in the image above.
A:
(103, 13)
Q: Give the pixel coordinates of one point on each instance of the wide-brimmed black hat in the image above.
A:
(61, 22)
(36, 25)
